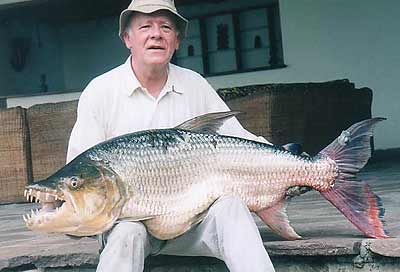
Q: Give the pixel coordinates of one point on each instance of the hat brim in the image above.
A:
(181, 21)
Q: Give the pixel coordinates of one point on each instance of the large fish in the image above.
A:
(168, 178)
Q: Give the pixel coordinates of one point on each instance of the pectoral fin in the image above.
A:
(136, 218)
(276, 218)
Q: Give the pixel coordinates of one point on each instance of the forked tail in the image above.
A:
(353, 197)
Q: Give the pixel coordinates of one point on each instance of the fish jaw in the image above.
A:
(53, 213)
(75, 205)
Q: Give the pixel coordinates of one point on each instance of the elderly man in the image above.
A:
(148, 92)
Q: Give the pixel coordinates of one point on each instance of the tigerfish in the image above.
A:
(168, 178)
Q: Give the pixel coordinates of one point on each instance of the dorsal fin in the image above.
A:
(207, 123)
(294, 148)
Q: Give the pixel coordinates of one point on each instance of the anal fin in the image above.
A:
(276, 218)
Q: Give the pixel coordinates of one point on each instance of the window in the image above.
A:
(221, 47)
(190, 51)
(257, 42)
(232, 42)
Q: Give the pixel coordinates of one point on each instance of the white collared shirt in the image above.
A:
(115, 103)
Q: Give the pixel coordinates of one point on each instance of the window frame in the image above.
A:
(273, 14)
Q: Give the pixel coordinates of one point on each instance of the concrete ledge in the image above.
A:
(61, 253)
(287, 256)
(387, 247)
(315, 247)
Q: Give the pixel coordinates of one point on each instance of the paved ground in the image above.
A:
(326, 232)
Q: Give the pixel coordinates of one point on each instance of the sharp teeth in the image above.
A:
(25, 192)
(30, 191)
(28, 216)
(32, 213)
(56, 197)
(27, 197)
(38, 194)
(25, 219)
(37, 211)
(57, 209)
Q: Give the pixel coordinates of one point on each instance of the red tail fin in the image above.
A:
(354, 198)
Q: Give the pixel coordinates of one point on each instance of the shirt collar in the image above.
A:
(172, 84)
(132, 84)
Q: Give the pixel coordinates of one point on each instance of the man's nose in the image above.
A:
(155, 32)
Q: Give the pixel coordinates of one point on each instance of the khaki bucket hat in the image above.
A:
(150, 6)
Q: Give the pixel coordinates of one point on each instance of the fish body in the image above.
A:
(173, 176)
(168, 178)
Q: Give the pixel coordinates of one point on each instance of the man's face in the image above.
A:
(152, 38)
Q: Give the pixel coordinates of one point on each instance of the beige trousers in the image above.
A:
(228, 232)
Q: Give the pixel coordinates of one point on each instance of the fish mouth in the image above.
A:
(52, 205)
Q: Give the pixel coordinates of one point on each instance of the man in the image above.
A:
(148, 92)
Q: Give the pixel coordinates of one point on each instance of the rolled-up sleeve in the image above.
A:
(231, 127)
(89, 127)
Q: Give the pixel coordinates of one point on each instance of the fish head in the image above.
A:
(83, 198)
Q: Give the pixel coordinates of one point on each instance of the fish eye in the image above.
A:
(74, 182)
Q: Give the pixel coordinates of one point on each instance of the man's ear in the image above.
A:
(127, 40)
(178, 42)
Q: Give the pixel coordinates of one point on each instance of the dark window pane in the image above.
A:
(257, 42)
(221, 44)
(190, 51)
(254, 42)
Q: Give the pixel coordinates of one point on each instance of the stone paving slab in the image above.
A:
(387, 247)
(325, 231)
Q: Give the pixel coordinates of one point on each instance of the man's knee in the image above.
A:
(130, 231)
(229, 209)
(226, 203)
(126, 248)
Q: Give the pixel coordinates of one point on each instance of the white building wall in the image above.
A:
(334, 39)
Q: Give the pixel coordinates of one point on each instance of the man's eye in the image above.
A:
(144, 26)
(167, 27)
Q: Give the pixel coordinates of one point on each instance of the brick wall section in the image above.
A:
(15, 170)
(50, 126)
(312, 114)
